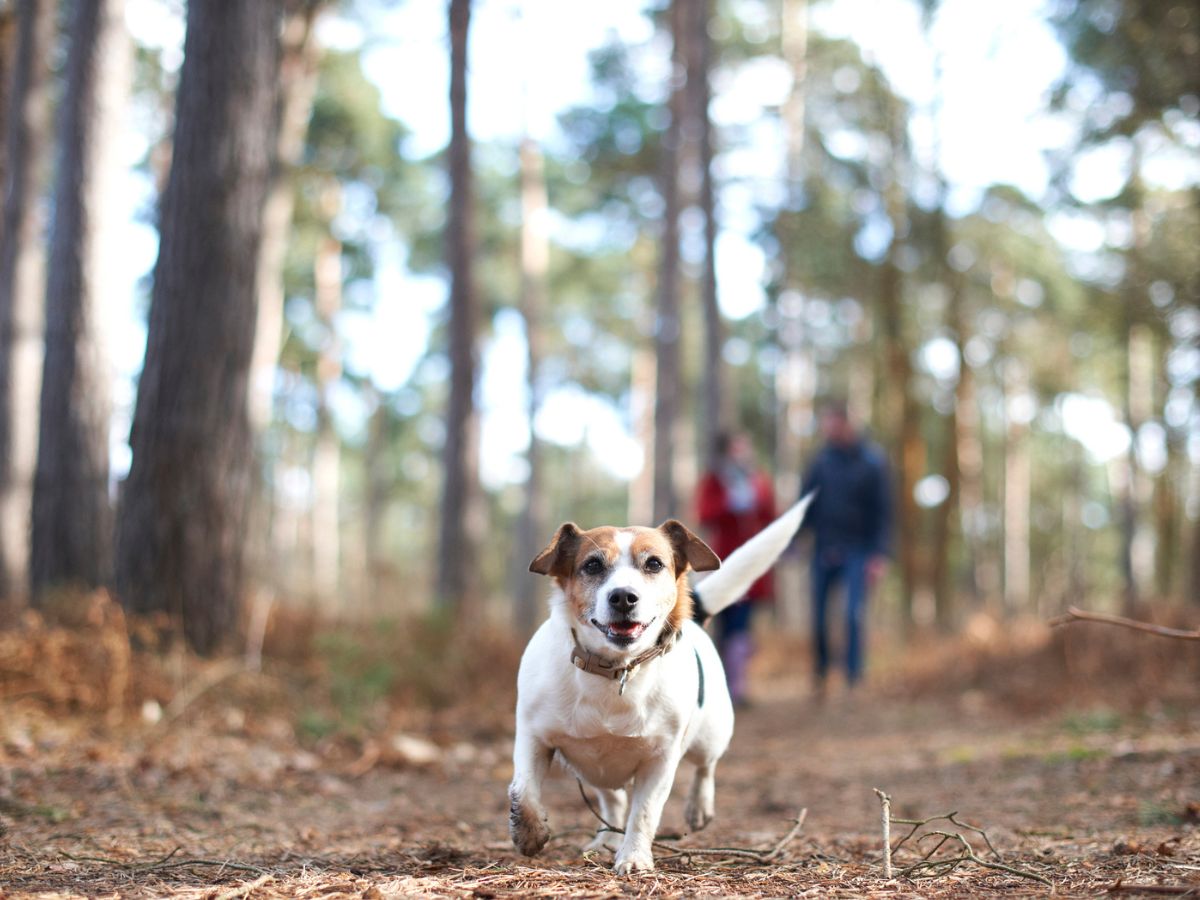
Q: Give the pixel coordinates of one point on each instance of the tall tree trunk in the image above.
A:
(21, 289)
(1168, 486)
(535, 262)
(327, 451)
(1194, 569)
(8, 46)
(969, 455)
(298, 67)
(948, 513)
(378, 490)
(904, 426)
(1017, 495)
(667, 328)
(456, 549)
(71, 541)
(182, 523)
(714, 414)
(297, 86)
(795, 380)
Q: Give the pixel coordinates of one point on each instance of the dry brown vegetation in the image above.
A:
(373, 762)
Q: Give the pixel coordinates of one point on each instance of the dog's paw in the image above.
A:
(698, 814)
(604, 840)
(628, 863)
(528, 828)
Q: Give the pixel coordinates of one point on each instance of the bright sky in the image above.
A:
(999, 61)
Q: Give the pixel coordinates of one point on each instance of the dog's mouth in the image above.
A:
(623, 633)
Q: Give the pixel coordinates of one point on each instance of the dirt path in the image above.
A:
(1083, 801)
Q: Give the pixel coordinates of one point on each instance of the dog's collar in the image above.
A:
(582, 658)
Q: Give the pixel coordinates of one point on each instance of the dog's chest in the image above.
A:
(605, 737)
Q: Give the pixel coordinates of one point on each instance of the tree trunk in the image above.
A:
(1017, 495)
(456, 550)
(71, 538)
(535, 261)
(944, 531)
(795, 381)
(903, 428)
(714, 416)
(21, 294)
(182, 525)
(378, 491)
(327, 452)
(297, 85)
(8, 44)
(667, 324)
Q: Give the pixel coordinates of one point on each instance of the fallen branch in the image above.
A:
(929, 864)
(168, 862)
(886, 802)
(1175, 890)
(1074, 614)
(760, 856)
(244, 890)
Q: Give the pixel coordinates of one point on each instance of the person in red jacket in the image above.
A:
(735, 501)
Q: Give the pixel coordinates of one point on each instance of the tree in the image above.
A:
(667, 324)
(72, 519)
(21, 274)
(713, 416)
(182, 519)
(455, 544)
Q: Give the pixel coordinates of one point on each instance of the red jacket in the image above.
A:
(726, 530)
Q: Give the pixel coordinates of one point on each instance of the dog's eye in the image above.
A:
(654, 565)
(593, 566)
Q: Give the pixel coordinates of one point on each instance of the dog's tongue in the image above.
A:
(625, 628)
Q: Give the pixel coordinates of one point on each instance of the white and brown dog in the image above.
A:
(622, 683)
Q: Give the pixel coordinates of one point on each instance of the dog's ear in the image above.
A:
(558, 559)
(689, 549)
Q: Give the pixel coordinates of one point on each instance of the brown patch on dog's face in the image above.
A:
(625, 584)
(689, 550)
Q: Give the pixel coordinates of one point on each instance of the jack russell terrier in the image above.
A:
(622, 683)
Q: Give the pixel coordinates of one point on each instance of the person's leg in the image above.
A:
(736, 647)
(856, 613)
(822, 581)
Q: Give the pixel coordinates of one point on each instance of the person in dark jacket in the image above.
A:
(851, 522)
(734, 502)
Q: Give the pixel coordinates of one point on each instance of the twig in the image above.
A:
(762, 856)
(1177, 890)
(168, 862)
(244, 890)
(886, 802)
(1074, 614)
(929, 865)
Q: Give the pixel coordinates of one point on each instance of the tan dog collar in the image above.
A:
(588, 661)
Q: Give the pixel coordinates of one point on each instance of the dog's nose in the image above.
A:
(622, 600)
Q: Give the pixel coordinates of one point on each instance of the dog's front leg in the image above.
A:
(651, 787)
(527, 816)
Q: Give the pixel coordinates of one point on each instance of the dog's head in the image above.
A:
(622, 586)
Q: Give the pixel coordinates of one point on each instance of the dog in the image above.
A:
(622, 684)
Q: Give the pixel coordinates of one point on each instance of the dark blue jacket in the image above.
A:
(853, 507)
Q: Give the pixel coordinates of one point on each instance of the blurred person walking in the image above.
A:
(851, 522)
(735, 500)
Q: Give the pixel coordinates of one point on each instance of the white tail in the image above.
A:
(749, 562)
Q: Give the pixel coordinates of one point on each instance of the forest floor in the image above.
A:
(1085, 783)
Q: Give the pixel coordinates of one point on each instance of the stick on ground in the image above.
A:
(1075, 614)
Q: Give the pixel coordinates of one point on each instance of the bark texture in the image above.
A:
(667, 326)
(21, 274)
(71, 540)
(182, 526)
(456, 550)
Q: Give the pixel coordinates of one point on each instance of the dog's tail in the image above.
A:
(749, 562)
